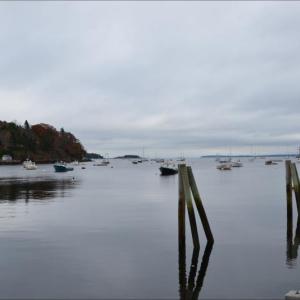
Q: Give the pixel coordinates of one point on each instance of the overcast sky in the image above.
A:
(169, 77)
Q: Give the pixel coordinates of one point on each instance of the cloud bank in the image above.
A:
(169, 77)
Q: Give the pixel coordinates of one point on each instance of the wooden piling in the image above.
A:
(289, 228)
(288, 175)
(289, 197)
(289, 209)
(296, 185)
(199, 206)
(289, 215)
(188, 198)
(181, 213)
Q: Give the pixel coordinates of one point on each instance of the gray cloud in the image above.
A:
(196, 77)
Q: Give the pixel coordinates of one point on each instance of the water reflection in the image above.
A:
(191, 288)
(291, 242)
(12, 189)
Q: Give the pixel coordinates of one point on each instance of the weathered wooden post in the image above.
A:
(199, 206)
(296, 185)
(181, 211)
(288, 175)
(289, 206)
(289, 239)
(181, 238)
(189, 203)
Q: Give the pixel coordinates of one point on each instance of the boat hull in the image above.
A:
(60, 168)
(164, 171)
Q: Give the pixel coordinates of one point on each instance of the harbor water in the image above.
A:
(112, 232)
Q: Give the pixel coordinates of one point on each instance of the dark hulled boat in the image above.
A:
(168, 169)
(62, 167)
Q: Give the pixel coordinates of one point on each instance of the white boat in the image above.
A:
(224, 167)
(236, 164)
(102, 163)
(29, 165)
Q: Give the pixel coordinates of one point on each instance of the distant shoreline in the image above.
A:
(249, 155)
(19, 162)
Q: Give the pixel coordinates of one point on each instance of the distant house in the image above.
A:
(6, 157)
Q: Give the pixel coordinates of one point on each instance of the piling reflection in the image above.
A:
(13, 189)
(190, 288)
(292, 242)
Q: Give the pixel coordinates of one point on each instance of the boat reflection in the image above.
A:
(190, 288)
(13, 189)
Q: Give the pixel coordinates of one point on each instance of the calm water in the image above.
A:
(112, 233)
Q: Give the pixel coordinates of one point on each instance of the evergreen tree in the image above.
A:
(26, 125)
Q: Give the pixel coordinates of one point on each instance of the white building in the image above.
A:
(6, 157)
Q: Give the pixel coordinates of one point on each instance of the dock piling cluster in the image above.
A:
(187, 192)
(292, 184)
(190, 286)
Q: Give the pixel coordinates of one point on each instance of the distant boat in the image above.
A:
(270, 162)
(103, 163)
(62, 167)
(181, 159)
(159, 160)
(168, 168)
(29, 165)
(225, 160)
(298, 154)
(236, 164)
(224, 167)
